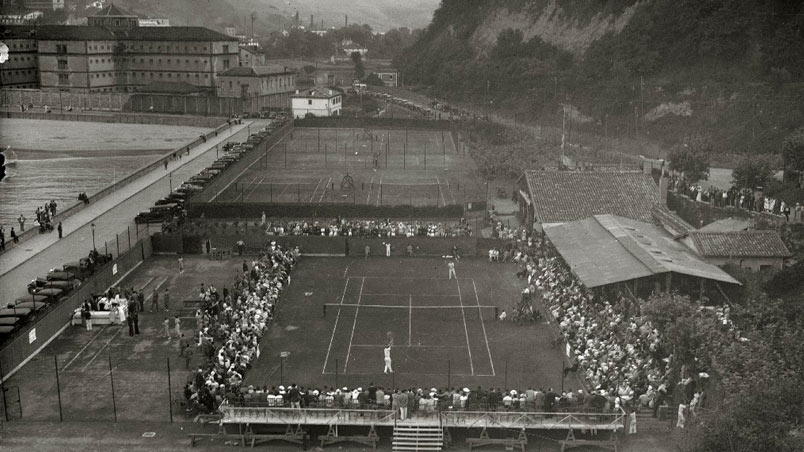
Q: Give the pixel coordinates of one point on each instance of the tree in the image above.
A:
(752, 172)
(692, 158)
(360, 71)
(793, 154)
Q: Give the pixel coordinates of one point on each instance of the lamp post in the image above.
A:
(93, 237)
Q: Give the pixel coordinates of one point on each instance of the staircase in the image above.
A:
(417, 437)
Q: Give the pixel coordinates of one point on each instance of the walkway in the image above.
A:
(111, 215)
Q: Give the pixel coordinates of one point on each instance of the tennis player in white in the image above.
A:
(387, 352)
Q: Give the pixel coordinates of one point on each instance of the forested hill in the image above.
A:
(659, 69)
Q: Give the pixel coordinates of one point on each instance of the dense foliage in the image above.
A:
(736, 65)
(300, 43)
(692, 158)
(759, 375)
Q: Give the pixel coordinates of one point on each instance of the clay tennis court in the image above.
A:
(443, 331)
(384, 168)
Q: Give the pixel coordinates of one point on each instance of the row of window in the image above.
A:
(24, 45)
(21, 58)
(19, 72)
(65, 78)
(142, 60)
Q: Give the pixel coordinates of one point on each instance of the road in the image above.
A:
(111, 215)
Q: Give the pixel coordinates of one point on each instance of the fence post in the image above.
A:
(3, 389)
(58, 385)
(170, 392)
(117, 239)
(128, 228)
(336, 378)
(111, 378)
(106, 245)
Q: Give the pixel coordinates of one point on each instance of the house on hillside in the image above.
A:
(389, 77)
(317, 102)
(753, 249)
(556, 197)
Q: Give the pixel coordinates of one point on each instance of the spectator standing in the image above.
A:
(133, 317)
(2, 239)
(14, 237)
(403, 404)
(141, 300)
(87, 315)
(21, 221)
(240, 246)
(181, 264)
(61, 231)
(155, 300)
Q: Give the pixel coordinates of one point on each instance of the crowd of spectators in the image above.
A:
(423, 400)
(232, 323)
(368, 228)
(741, 198)
(616, 350)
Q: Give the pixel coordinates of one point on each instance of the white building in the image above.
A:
(317, 102)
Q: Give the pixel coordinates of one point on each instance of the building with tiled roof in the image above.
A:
(317, 102)
(273, 85)
(613, 251)
(114, 54)
(753, 249)
(671, 222)
(554, 197)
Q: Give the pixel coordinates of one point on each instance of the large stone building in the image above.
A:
(114, 54)
(21, 70)
(256, 81)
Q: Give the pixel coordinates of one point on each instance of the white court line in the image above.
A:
(449, 190)
(406, 346)
(368, 196)
(335, 327)
(410, 319)
(316, 188)
(325, 189)
(84, 348)
(403, 294)
(349, 351)
(483, 324)
(102, 349)
(466, 331)
(247, 186)
(256, 186)
(441, 193)
(404, 306)
(379, 192)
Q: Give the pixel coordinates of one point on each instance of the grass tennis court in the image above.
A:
(385, 167)
(443, 331)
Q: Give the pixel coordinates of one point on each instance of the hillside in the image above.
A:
(271, 15)
(651, 70)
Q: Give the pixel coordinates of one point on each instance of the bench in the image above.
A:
(291, 435)
(332, 437)
(98, 318)
(571, 442)
(521, 441)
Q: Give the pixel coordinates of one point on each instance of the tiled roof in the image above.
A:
(728, 225)
(561, 196)
(607, 249)
(88, 33)
(765, 243)
(114, 10)
(18, 32)
(175, 34)
(317, 94)
(256, 71)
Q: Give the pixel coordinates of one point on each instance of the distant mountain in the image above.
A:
(271, 15)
